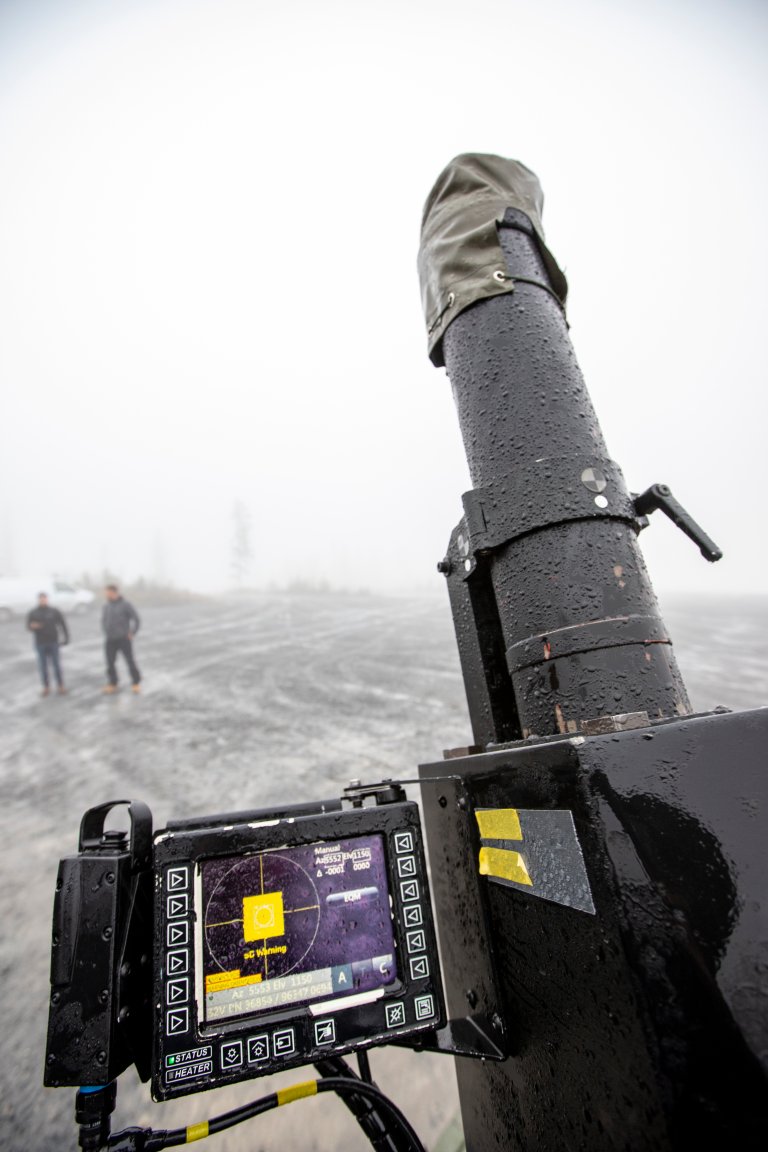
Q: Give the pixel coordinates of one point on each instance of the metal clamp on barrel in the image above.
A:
(550, 491)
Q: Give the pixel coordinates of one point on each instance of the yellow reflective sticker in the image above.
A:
(504, 865)
(297, 1091)
(499, 824)
(197, 1132)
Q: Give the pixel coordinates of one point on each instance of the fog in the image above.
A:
(209, 219)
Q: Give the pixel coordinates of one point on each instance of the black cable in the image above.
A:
(176, 1136)
(377, 1129)
(364, 1065)
(344, 1086)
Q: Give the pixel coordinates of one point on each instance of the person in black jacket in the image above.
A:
(120, 623)
(48, 625)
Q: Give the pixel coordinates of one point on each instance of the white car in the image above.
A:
(68, 597)
(18, 596)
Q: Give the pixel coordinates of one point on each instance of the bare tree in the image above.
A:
(242, 552)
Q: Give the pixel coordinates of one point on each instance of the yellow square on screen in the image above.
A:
(263, 916)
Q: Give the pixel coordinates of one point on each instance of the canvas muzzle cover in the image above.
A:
(460, 248)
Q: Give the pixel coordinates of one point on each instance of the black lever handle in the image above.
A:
(660, 496)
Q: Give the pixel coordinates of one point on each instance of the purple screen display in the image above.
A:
(294, 925)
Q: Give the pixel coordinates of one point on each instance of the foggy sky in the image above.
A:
(209, 220)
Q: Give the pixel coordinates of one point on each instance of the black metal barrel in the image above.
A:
(550, 520)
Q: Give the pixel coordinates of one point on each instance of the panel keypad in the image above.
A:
(177, 952)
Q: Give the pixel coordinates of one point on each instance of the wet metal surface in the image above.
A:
(644, 1027)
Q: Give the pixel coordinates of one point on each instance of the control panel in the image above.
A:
(279, 941)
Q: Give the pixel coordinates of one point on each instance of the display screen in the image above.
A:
(293, 925)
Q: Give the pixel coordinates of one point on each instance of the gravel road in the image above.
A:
(248, 701)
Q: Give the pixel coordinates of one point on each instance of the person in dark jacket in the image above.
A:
(50, 631)
(120, 623)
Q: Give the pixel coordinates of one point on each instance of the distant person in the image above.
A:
(120, 623)
(50, 631)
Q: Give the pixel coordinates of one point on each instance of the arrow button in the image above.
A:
(178, 906)
(177, 962)
(177, 879)
(177, 1021)
(177, 934)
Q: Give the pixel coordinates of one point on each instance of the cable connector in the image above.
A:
(93, 1108)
